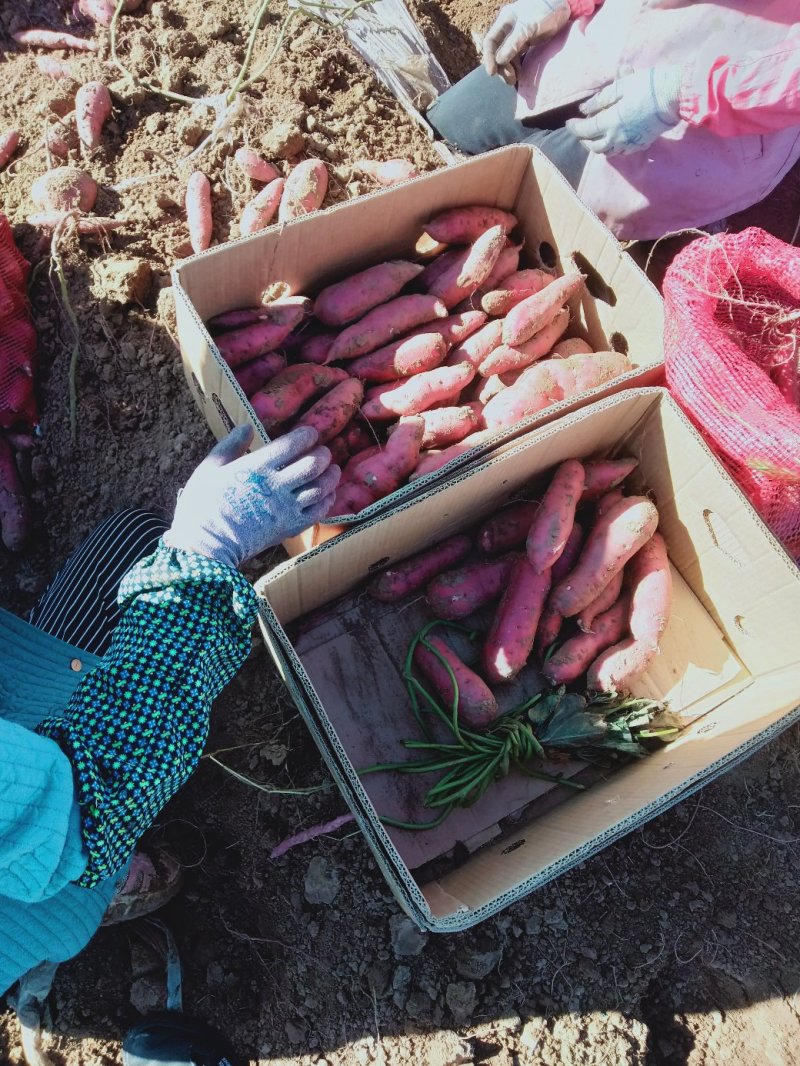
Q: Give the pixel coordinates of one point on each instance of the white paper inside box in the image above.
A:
(729, 662)
(619, 308)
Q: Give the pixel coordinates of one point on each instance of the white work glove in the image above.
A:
(236, 505)
(519, 25)
(630, 113)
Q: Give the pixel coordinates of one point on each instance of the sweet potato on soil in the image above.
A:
(553, 521)
(332, 412)
(477, 707)
(304, 191)
(64, 189)
(92, 110)
(348, 300)
(86, 225)
(414, 573)
(198, 211)
(510, 640)
(260, 211)
(253, 166)
(381, 325)
(54, 39)
(388, 172)
(463, 225)
(455, 594)
(534, 312)
(8, 145)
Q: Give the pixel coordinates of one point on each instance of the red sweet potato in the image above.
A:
(332, 412)
(401, 359)
(507, 529)
(54, 39)
(605, 474)
(253, 166)
(414, 573)
(616, 668)
(607, 501)
(417, 394)
(507, 263)
(337, 446)
(614, 538)
(351, 498)
(240, 316)
(463, 225)
(64, 189)
(515, 288)
(576, 655)
(54, 68)
(384, 323)
(274, 325)
(534, 312)
(380, 473)
(571, 346)
(476, 707)
(447, 425)
(469, 269)
(358, 438)
(348, 300)
(604, 602)
(553, 522)
(304, 191)
(85, 225)
(551, 621)
(92, 110)
(198, 211)
(505, 359)
(260, 211)
(435, 459)
(283, 396)
(457, 593)
(317, 348)
(487, 388)
(476, 348)
(651, 591)
(8, 145)
(254, 375)
(388, 172)
(510, 639)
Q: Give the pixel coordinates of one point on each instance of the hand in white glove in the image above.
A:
(236, 505)
(630, 113)
(518, 25)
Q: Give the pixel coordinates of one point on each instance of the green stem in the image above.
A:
(248, 55)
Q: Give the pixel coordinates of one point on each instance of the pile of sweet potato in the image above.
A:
(580, 576)
(405, 365)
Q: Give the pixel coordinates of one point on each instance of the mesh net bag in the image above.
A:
(732, 338)
(17, 337)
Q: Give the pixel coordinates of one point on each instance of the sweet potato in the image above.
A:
(553, 522)
(476, 706)
(14, 506)
(579, 373)
(463, 225)
(401, 359)
(265, 335)
(475, 349)
(317, 348)
(576, 655)
(436, 458)
(454, 329)
(102, 11)
(358, 438)
(455, 594)
(505, 359)
(254, 375)
(253, 166)
(414, 573)
(605, 474)
(54, 39)
(240, 316)
(614, 538)
(60, 139)
(508, 528)
(332, 412)
(260, 211)
(551, 621)
(197, 201)
(383, 324)
(417, 394)
(283, 396)
(510, 639)
(488, 388)
(607, 501)
(92, 110)
(507, 263)
(468, 269)
(447, 425)
(57, 69)
(86, 225)
(571, 346)
(534, 312)
(304, 191)
(601, 603)
(348, 300)
(380, 473)
(651, 591)
(64, 189)
(351, 498)
(616, 668)
(337, 446)
(439, 264)
(8, 145)
(515, 288)
(388, 172)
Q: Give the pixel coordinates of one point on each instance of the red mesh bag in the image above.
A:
(17, 337)
(731, 340)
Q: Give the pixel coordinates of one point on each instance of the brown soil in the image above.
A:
(677, 945)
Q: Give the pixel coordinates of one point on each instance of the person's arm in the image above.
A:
(134, 728)
(756, 93)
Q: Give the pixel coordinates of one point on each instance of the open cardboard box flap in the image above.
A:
(619, 308)
(729, 660)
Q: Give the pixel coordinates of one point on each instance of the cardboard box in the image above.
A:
(620, 308)
(729, 662)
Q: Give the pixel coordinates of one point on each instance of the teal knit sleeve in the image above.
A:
(135, 727)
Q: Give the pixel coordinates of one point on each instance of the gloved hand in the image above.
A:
(518, 25)
(235, 505)
(630, 113)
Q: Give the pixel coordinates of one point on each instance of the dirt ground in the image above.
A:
(678, 945)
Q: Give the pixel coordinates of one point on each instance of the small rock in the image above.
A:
(478, 964)
(191, 132)
(533, 925)
(283, 141)
(461, 997)
(418, 1006)
(407, 939)
(148, 994)
(295, 1033)
(727, 919)
(122, 281)
(555, 920)
(321, 881)
(400, 982)
(155, 123)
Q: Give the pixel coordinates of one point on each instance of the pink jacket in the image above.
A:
(740, 104)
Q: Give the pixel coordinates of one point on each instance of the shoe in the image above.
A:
(171, 1038)
(153, 880)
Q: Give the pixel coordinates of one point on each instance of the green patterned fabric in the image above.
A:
(135, 727)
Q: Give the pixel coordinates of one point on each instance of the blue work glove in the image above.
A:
(630, 113)
(236, 505)
(519, 25)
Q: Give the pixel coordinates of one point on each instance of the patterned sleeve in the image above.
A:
(135, 727)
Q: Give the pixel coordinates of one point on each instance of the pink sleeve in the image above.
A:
(758, 93)
(583, 8)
